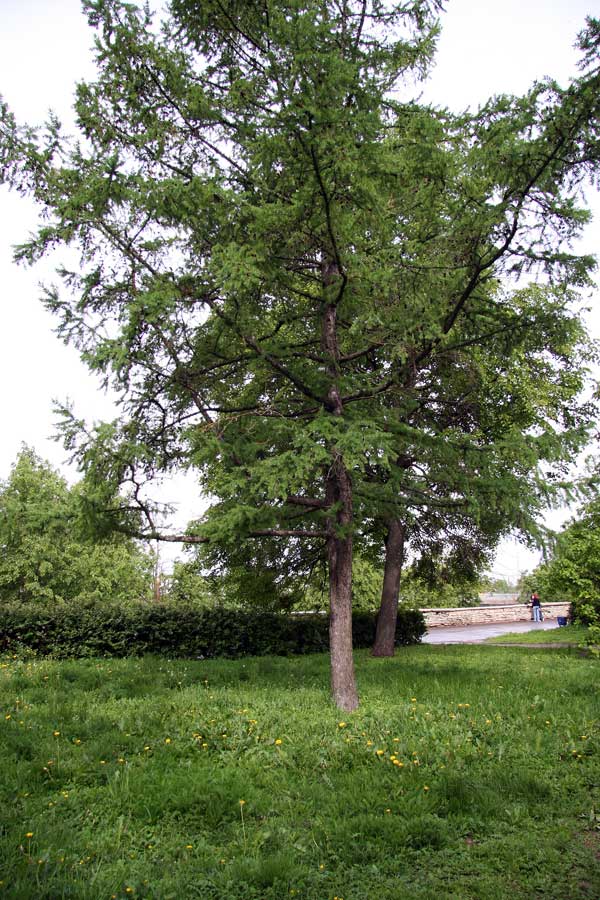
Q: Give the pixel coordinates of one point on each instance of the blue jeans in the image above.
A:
(537, 613)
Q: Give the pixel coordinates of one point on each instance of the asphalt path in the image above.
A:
(476, 634)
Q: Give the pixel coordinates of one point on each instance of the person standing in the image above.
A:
(536, 607)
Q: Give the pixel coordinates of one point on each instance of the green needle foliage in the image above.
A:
(277, 240)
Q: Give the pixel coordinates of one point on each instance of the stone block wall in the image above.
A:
(479, 615)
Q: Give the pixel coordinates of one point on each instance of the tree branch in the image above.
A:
(197, 539)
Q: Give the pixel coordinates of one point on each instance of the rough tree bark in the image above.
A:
(339, 529)
(339, 553)
(388, 611)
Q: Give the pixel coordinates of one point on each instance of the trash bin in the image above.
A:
(562, 621)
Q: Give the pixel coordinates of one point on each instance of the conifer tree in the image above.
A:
(274, 236)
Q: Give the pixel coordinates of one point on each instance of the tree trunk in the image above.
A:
(339, 552)
(338, 489)
(388, 611)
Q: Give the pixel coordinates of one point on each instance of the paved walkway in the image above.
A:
(476, 634)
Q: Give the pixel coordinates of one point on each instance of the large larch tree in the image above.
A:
(274, 235)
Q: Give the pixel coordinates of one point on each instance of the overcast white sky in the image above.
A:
(486, 47)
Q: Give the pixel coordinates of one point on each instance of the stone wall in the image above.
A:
(478, 615)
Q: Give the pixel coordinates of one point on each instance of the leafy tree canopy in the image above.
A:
(572, 571)
(45, 556)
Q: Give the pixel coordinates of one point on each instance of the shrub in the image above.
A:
(95, 630)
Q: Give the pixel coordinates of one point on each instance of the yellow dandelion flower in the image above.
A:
(29, 834)
(56, 733)
(278, 742)
(242, 802)
(380, 752)
(425, 787)
(341, 724)
(167, 740)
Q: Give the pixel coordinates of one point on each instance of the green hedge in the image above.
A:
(182, 632)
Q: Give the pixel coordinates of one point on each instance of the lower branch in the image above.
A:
(197, 539)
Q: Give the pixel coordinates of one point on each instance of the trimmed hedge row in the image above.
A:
(184, 632)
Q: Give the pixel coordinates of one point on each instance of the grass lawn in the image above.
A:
(570, 634)
(468, 772)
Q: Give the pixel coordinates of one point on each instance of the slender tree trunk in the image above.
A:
(339, 526)
(339, 552)
(156, 576)
(388, 611)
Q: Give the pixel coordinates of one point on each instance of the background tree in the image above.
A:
(271, 242)
(270, 575)
(572, 570)
(500, 414)
(499, 584)
(44, 554)
(267, 574)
